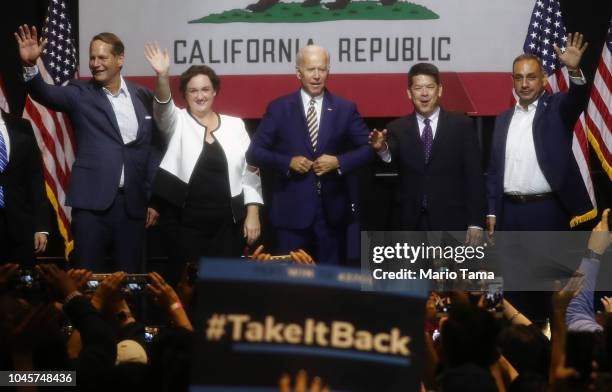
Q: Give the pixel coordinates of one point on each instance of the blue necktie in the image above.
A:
(427, 139)
(3, 164)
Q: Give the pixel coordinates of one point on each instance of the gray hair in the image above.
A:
(300, 55)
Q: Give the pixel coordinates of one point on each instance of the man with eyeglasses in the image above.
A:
(436, 153)
(533, 180)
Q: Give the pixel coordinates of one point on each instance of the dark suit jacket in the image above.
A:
(100, 149)
(282, 134)
(26, 206)
(452, 180)
(552, 128)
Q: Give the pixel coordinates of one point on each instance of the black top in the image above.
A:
(209, 192)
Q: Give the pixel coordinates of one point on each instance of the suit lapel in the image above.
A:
(301, 119)
(541, 108)
(440, 135)
(107, 108)
(327, 120)
(413, 136)
(138, 108)
(13, 140)
(504, 119)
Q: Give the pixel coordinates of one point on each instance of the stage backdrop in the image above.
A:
(372, 46)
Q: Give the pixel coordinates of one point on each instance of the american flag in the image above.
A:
(53, 132)
(598, 115)
(545, 29)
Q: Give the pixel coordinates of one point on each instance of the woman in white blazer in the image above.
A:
(212, 195)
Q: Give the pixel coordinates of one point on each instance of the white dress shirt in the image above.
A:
(126, 116)
(385, 155)
(318, 104)
(522, 173)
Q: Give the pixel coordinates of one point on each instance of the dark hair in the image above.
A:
(582, 348)
(111, 39)
(469, 335)
(526, 348)
(196, 70)
(528, 56)
(423, 69)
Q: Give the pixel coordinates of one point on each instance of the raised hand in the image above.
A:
(378, 140)
(30, 46)
(161, 292)
(601, 238)
(574, 50)
(57, 280)
(159, 60)
(301, 383)
(164, 295)
(80, 277)
(108, 297)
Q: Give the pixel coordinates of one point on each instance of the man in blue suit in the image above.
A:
(533, 180)
(115, 161)
(311, 140)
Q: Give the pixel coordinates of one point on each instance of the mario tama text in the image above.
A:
(429, 262)
(432, 274)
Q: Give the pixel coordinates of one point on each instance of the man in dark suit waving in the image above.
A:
(311, 140)
(115, 161)
(24, 210)
(533, 180)
(438, 159)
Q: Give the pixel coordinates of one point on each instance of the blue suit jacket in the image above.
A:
(552, 128)
(100, 149)
(282, 134)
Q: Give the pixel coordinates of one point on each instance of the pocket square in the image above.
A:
(147, 117)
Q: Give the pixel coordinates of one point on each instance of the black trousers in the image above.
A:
(215, 237)
(15, 247)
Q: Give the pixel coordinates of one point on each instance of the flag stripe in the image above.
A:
(598, 116)
(600, 109)
(48, 144)
(596, 134)
(53, 132)
(604, 73)
(581, 139)
(546, 29)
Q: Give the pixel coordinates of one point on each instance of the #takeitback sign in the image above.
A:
(257, 321)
